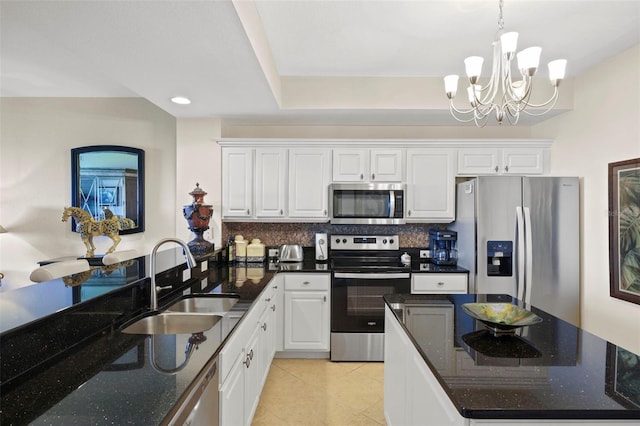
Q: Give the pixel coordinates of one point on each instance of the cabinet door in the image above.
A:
(237, 182)
(270, 182)
(267, 343)
(430, 185)
(232, 396)
(306, 324)
(386, 165)
(478, 161)
(350, 165)
(309, 173)
(252, 376)
(523, 161)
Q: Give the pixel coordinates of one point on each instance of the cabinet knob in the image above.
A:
(325, 212)
(496, 169)
(273, 308)
(306, 283)
(506, 169)
(361, 176)
(373, 176)
(325, 298)
(264, 326)
(440, 283)
(248, 211)
(408, 212)
(268, 299)
(251, 354)
(247, 361)
(281, 212)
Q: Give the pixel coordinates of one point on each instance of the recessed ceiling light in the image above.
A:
(181, 100)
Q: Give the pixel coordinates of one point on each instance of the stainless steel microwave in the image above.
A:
(367, 203)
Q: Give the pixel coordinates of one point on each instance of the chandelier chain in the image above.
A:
(500, 18)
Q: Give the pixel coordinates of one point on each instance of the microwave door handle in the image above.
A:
(392, 203)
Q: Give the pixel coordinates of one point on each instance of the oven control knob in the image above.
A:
(337, 240)
(344, 240)
(391, 241)
(384, 241)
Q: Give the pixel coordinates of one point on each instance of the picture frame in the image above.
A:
(624, 230)
(622, 381)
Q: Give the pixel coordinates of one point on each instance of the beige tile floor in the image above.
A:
(320, 392)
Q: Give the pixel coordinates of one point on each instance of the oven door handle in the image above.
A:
(372, 275)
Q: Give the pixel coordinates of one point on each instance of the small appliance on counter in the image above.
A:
(321, 247)
(291, 253)
(443, 247)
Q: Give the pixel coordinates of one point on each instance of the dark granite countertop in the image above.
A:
(64, 360)
(550, 370)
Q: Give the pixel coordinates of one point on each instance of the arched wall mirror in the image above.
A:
(109, 178)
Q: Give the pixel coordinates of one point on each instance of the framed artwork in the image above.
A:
(623, 376)
(624, 230)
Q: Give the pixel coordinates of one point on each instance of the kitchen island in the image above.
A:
(442, 367)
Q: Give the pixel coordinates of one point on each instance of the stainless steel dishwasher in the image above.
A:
(201, 405)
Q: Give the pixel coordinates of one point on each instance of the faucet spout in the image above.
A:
(191, 262)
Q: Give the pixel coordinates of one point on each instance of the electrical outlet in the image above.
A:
(274, 252)
(424, 254)
(186, 275)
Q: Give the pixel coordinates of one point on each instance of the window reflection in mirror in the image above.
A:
(109, 177)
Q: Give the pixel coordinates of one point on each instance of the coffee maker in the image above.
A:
(442, 244)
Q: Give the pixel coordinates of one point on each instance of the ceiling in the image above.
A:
(290, 62)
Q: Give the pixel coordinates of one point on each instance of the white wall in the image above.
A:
(604, 127)
(199, 161)
(35, 174)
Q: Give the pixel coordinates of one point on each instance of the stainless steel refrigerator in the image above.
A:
(521, 236)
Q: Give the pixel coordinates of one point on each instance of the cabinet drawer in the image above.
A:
(307, 282)
(439, 283)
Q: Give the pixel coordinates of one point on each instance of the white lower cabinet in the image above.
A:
(245, 360)
(307, 312)
(435, 283)
(412, 394)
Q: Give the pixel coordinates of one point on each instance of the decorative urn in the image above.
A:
(198, 215)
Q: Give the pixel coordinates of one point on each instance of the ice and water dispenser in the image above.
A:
(499, 258)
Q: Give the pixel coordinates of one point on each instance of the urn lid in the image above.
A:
(198, 194)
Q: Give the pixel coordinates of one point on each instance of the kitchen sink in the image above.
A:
(203, 304)
(172, 323)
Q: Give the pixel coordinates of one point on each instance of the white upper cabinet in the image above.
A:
(309, 174)
(271, 182)
(368, 165)
(502, 161)
(431, 185)
(237, 182)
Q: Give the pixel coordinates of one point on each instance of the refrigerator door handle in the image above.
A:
(520, 254)
(528, 266)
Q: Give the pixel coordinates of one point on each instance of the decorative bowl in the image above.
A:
(501, 317)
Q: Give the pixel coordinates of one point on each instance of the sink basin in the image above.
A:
(172, 323)
(205, 304)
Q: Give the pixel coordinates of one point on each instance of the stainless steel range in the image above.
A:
(364, 269)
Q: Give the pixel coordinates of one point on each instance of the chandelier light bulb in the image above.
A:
(451, 85)
(509, 42)
(557, 70)
(473, 67)
(528, 60)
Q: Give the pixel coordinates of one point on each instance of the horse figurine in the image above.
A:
(88, 227)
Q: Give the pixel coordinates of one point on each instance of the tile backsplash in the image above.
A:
(275, 234)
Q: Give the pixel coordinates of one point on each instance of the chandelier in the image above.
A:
(503, 94)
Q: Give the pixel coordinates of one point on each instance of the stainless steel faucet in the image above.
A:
(191, 262)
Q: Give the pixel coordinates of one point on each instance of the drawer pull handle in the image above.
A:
(440, 283)
(306, 283)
